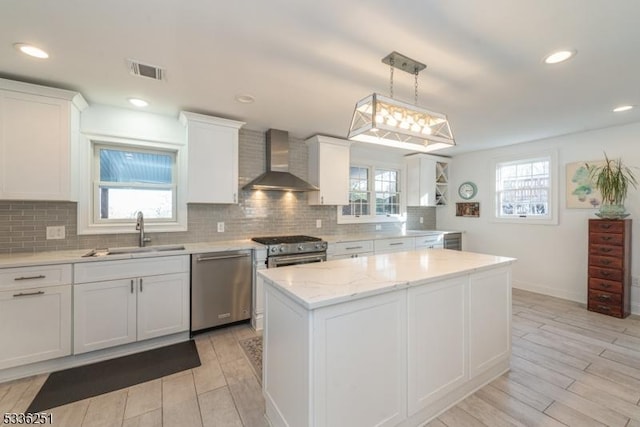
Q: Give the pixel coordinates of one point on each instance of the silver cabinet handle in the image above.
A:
(352, 248)
(131, 285)
(26, 294)
(40, 276)
(140, 284)
(396, 244)
(235, 197)
(213, 258)
(322, 200)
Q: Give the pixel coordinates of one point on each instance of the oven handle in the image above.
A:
(286, 259)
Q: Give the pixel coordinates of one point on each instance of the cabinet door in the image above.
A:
(34, 147)
(489, 319)
(213, 163)
(35, 325)
(329, 170)
(421, 181)
(437, 341)
(360, 357)
(104, 314)
(163, 305)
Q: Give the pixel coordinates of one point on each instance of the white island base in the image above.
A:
(387, 340)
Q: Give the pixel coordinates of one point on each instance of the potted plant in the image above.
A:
(613, 179)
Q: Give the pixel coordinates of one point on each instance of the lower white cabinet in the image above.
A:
(353, 249)
(259, 263)
(123, 310)
(35, 324)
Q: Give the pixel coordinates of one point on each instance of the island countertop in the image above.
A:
(322, 284)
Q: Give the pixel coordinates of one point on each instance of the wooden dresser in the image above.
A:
(610, 266)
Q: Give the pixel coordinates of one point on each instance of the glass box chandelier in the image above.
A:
(386, 121)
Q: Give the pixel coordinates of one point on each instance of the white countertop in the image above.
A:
(327, 283)
(382, 235)
(75, 256)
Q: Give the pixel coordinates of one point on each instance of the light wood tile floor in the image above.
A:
(569, 367)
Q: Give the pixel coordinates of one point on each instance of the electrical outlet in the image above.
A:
(55, 232)
(635, 281)
(378, 227)
(421, 220)
(221, 227)
(318, 223)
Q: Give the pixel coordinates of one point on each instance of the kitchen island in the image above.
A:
(385, 340)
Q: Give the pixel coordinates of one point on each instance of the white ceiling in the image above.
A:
(308, 62)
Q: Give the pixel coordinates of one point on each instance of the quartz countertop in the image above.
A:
(76, 255)
(322, 284)
(340, 238)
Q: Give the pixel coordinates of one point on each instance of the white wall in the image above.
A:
(552, 259)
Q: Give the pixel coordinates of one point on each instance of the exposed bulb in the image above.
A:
(426, 130)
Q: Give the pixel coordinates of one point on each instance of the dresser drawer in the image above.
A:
(605, 261)
(605, 308)
(605, 285)
(605, 273)
(606, 239)
(606, 226)
(605, 297)
(608, 250)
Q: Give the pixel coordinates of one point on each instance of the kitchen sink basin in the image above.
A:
(133, 250)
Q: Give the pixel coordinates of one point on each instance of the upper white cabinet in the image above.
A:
(328, 170)
(39, 130)
(212, 158)
(427, 180)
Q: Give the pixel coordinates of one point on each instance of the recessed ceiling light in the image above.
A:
(622, 108)
(31, 50)
(245, 99)
(138, 102)
(559, 56)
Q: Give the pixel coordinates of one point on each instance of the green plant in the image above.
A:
(612, 179)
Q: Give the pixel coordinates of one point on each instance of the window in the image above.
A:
(374, 195)
(134, 179)
(525, 190)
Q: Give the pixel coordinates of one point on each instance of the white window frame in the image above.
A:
(88, 217)
(552, 217)
(373, 218)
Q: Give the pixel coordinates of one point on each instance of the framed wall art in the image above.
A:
(580, 192)
(470, 209)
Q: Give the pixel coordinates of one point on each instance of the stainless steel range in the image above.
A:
(291, 250)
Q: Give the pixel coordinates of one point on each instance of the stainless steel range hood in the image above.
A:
(277, 176)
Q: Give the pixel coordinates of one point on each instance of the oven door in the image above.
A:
(284, 260)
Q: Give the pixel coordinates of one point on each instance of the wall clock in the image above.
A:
(467, 190)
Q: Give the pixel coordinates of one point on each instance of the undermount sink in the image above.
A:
(133, 250)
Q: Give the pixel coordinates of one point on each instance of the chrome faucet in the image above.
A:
(140, 227)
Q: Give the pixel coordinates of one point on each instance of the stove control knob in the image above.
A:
(273, 249)
(300, 248)
(317, 245)
(324, 245)
(281, 248)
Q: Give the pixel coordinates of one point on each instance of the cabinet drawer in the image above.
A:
(605, 261)
(605, 308)
(605, 285)
(389, 245)
(435, 241)
(606, 226)
(605, 273)
(98, 271)
(606, 239)
(36, 276)
(605, 297)
(356, 247)
(609, 250)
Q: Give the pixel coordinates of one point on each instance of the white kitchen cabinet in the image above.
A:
(148, 300)
(399, 244)
(427, 180)
(39, 131)
(352, 249)
(437, 316)
(212, 158)
(328, 170)
(259, 263)
(35, 324)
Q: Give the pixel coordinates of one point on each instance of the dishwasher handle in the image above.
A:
(214, 258)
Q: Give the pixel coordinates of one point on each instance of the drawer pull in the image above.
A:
(27, 294)
(605, 249)
(604, 297)
(396, 244)
(605, 273)
(605, 285)
(607, 238)
(604, 307)
(40, 276)
(352, 248)
(141, 284)
(606, 262)
(131, 285)
(605, 226)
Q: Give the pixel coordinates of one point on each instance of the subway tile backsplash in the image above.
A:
(23, 223)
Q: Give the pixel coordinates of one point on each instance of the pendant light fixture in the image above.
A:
(383, 120)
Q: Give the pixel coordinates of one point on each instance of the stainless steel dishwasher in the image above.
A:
(220, 288)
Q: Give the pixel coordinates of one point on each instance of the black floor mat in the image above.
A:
(79, 383)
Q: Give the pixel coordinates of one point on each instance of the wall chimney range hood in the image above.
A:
(277, 177)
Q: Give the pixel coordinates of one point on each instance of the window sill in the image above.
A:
(131, 228)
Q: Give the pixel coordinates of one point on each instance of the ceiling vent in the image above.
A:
(145, 70)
